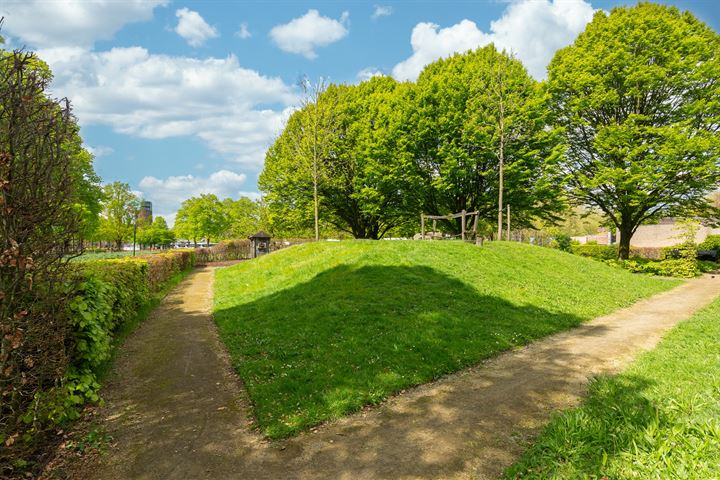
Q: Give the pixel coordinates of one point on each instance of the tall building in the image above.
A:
(145, 212)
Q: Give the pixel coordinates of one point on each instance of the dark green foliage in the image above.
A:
(321, 329)
(659, 419)
(562, 242)
(712, 242)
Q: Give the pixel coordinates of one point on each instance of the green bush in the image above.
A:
(104, 295)
(599, 252)
(223, 251)
(673, 267)
(712, 242)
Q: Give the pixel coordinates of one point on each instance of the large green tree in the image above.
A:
(481, 138)
(201, 217)
(243, 217)
(638, 98)
(368, 173)
(156, 234)
(120, 207)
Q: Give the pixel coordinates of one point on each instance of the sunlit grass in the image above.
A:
(659, 419)
(320, 330)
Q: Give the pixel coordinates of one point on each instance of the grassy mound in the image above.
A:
(322, 329)
(659, 419)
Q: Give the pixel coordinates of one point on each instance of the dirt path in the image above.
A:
(176, 411)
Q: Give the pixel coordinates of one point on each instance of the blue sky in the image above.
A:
(179, 98)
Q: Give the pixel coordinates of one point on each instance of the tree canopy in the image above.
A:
(638, 99)
(201, 217)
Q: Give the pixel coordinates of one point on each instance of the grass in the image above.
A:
(658, 419)
(89, 256)
(323, 329)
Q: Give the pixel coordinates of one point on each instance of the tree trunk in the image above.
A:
(501, 156)
(624, 245)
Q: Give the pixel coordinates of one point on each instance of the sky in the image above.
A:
(178, 98)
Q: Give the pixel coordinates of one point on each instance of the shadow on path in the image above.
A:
(176, 411)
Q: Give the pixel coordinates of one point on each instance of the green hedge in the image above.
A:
(600, 252)
(104, 295)
(712, 242)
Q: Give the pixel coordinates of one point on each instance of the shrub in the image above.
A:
(712, 242)
(562, 242)
(600, 252)
(223, 251)
(103, 295)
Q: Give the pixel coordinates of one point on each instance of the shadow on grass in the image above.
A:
(614, 420)
(350, 337)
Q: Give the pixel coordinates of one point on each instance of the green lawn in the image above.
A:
(659, 419)
(88, 256)
(322, 329)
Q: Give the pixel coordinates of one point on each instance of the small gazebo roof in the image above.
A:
(260, 235)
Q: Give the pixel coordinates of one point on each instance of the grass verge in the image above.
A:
(658, 419)
(320, 330)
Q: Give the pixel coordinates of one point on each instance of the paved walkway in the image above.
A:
(175, 409)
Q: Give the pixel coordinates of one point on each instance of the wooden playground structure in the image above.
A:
(463, 216)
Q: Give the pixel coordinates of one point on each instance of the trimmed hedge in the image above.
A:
(105, 294)
(600, 252)
(223, 251)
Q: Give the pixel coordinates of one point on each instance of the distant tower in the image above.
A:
(145, 212)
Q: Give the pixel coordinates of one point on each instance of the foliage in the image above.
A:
(711, 242)
(321, 329)
(156, 235)
(658, 419)
(201, 217)
(562, 242)
(455, 122)
(599, 252)
(120, 207)
(636, 97)
(672, 267)
(244, 217)
(47, 188)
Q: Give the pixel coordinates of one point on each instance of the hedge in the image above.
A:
(104, 295)
(223, 251)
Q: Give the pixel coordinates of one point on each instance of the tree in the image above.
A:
(156, 234)
(368, 173)
(201, 217)
(636, 97)
(481, 138)
(243, 217)
(46, 179)
(372, 180)
(120, 207)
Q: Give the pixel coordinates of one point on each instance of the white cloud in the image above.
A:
(100, 150)
(43, 23)
(243, 33)
(304, 34)
(368, 73)
(161, 96)
(381, 11)
(532, 29)
(193, 28)
(167, 194)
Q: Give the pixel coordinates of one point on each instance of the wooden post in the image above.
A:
(508, 223)
(434, 229)
(462, 225)
(422, 225)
